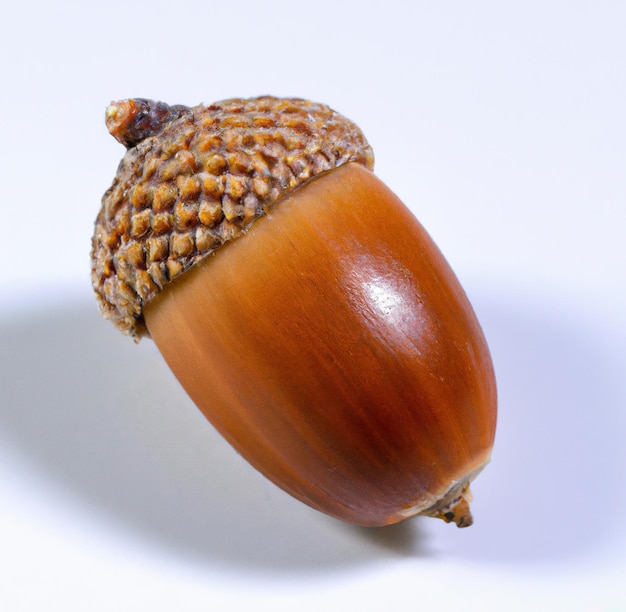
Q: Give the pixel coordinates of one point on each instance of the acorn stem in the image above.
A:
(132, 120)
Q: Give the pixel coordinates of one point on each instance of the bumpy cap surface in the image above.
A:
(195, 178)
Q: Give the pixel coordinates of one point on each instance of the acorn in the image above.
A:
(300, 304)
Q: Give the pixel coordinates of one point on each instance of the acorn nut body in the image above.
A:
(300, 304)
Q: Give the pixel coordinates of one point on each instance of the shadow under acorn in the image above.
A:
(106, 420)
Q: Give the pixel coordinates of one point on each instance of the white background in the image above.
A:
(501, 124)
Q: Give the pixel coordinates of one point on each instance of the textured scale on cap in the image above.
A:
(194, 178)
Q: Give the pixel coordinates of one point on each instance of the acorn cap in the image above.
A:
(195, 178)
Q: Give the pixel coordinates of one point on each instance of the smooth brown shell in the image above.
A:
(333, 346)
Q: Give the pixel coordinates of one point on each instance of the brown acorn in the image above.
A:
(300, 304)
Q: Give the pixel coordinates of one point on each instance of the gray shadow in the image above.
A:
(105, 420)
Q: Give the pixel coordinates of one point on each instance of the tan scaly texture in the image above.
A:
(195, 178)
